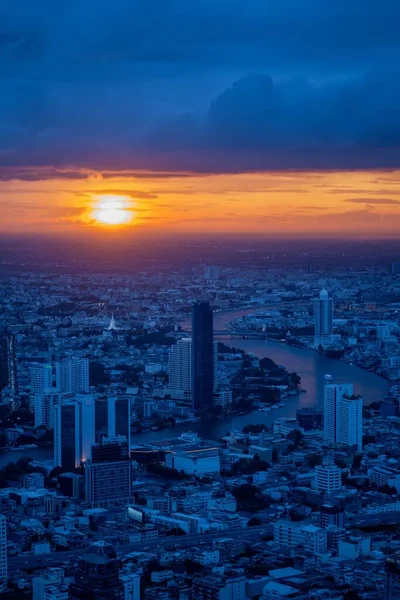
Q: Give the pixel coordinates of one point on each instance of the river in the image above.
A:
(311, 366)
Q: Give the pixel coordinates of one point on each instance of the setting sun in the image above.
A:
(113, 210)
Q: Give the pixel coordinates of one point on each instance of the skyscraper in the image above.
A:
(349, 429)
(342, 415)
(74, 431)
(180, 366)
(3, 553)
(72, 375)
(323, 319)
(41, 378)
(332, 394)
(97, 576)
(202, 356)
(112, 417)
(108, 476)
(44, 408)
(8, 361)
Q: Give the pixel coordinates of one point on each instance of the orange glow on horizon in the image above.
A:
(353, 203)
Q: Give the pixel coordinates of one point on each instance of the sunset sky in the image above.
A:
(168, 116)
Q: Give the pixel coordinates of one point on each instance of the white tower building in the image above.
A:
(332, 394)
(323, 319)
(41, 378)
(342, 415)
(72, 375)
(350, 421)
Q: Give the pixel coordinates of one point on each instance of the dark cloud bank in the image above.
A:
(213, 86)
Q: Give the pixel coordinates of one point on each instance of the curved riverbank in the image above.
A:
(310, 365)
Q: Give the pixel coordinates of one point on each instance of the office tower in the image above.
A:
(328, 478)
(323, 319)
(74, 431)
(72, 375)
(112, 417)
(342, 415)
(97, 576)
(180, 366)
(395, 268)
(202, 356)
(332, 394)
(3, 553)
(310, 268)
(349, 426)
(213, 273)
(8, 361)
(108, 476)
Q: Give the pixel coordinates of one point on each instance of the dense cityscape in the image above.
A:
(199, 300)
(200, 431)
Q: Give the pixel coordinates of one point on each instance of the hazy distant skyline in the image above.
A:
(250, 116)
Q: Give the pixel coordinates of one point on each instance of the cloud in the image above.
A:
(179, 88)
(372, 201)
(40, 174)
(117, 192)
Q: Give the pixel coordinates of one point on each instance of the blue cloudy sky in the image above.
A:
(208, 86)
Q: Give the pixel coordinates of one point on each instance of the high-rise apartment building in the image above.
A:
(41, 378)
(323, 319)
(74, 431)
(72, 375)
(332, 394)
(202, 356)
(8, 360)
(97, 577)
(44, 403)
(181, 363)
(342, 415)
(349, 427)
(3, 553)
